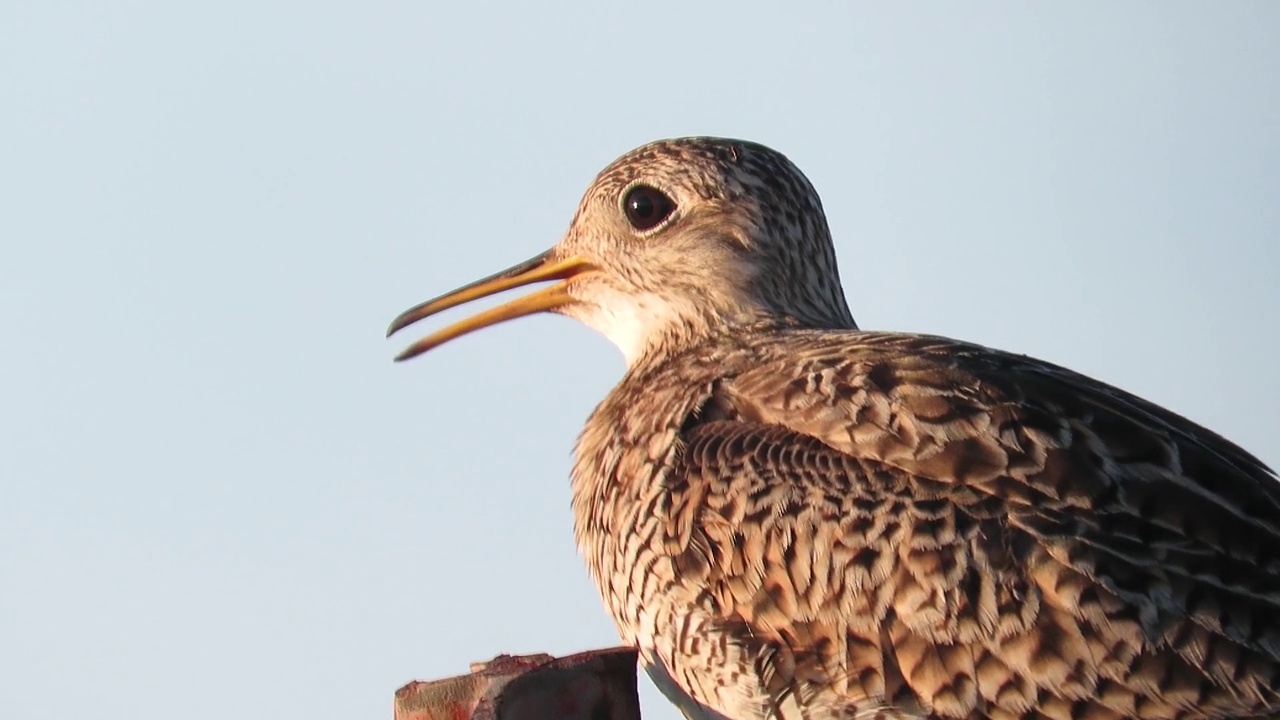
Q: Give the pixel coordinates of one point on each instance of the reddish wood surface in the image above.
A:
(595, 685)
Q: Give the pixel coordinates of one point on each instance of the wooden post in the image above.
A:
(596, 685)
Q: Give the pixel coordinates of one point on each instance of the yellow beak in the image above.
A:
(535, 269)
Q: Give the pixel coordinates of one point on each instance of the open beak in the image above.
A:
(535, 269)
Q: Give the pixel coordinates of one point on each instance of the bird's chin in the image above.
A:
(632, 322)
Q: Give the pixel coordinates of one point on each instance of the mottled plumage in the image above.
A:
(793, 518)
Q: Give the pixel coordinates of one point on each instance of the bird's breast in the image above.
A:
(625, 451)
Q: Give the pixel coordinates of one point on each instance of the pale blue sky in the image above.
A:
(219, 497)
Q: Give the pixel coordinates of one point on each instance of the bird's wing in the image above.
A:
(910, 517)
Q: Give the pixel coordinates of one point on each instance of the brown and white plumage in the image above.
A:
(793, 518)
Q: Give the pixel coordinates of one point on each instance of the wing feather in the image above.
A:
(919, 521)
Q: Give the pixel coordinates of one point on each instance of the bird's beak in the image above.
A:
(535, 269)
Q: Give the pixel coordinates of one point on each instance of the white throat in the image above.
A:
(631, 321)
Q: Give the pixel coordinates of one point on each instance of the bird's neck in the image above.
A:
(650, 326)
(716, 336)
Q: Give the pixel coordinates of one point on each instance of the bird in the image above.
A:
(794, 518)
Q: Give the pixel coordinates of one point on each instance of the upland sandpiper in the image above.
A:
(794, 518)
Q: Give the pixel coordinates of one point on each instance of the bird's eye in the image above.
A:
(646, 207)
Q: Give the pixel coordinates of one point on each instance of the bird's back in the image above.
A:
(843, 524)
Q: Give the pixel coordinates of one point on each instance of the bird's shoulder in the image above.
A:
(968, 415)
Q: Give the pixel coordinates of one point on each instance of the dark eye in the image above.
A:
(646, 207)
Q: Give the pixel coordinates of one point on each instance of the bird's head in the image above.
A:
(675, 241)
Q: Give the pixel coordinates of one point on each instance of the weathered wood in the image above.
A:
(595, 685)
